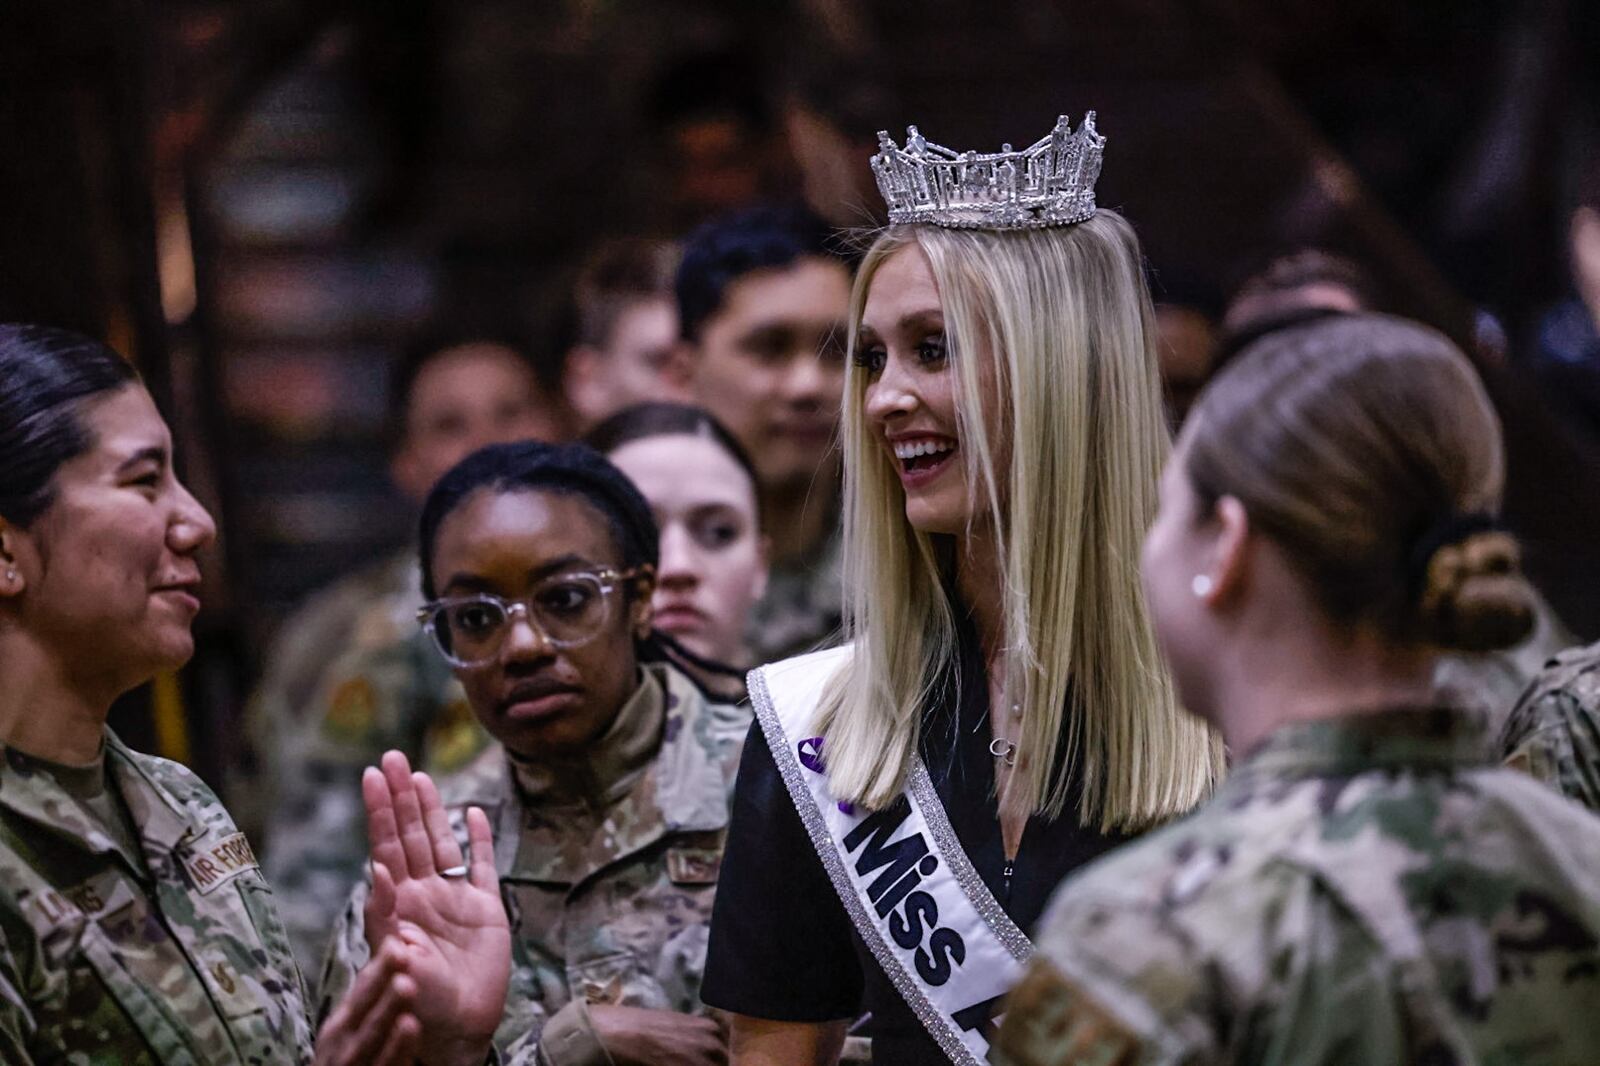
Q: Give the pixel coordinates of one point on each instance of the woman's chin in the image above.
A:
(927, 516)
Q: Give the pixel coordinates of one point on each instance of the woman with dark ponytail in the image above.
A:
(1366, 886)
(135, 925)
(701, 487)
(610, 791)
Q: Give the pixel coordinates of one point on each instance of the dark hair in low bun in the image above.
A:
(1474, 597)
(1366, 448)
(46, 376)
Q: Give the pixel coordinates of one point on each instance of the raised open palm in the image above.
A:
(454, 928)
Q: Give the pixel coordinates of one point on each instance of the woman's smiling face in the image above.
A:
(910, 400)
(111, 565)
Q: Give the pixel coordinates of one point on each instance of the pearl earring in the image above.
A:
(1201, 586)
(11, 575)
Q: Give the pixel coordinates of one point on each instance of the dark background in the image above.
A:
(257, 199)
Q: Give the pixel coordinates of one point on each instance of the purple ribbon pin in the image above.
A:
(810, 752)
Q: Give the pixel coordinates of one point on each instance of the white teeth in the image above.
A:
(914, 449)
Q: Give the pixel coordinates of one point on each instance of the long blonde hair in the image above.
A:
(1068, 320)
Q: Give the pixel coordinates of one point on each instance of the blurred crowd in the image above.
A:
(709, 370)
(685, 384)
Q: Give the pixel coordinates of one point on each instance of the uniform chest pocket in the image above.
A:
(114, 964)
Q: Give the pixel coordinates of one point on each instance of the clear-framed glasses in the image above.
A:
(566, 609)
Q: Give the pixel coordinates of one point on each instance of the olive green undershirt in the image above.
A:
(91, 785)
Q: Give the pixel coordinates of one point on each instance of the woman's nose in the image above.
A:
(678, 567)
(192, 527)
(890, 395)
(524, 638)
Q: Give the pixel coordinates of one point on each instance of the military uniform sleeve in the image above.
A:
(16, 1020)
(1554, 736)
(1109, 983)
(347, 953)
(316, 842)
(567, 1039)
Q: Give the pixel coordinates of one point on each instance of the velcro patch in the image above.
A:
(1050, 1020)
(211, 867)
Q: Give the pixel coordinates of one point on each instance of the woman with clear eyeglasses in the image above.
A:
(609, 794)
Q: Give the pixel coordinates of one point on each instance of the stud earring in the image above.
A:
(1201, 586)
(11, 575)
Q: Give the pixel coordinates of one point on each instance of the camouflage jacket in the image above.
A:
(1490, 683)
(374, 606)
(803, 606)
(1363, 890)
(1554, 732)
(104, 958)
(396, 694)
(609, 897)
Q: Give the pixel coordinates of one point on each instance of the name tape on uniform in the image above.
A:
(212, 867)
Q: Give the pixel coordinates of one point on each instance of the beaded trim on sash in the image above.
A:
(960, 1038)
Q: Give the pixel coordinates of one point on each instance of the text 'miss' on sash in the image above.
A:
(912, 893)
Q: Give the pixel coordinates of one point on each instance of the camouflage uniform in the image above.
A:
(1554, 732)
(1490, 683)
(372, 606)
(1364, 890)
(398, 694)
(803, 605)
(608, 881)
(173, 955)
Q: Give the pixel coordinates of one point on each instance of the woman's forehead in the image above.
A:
(903, 287)
(537, 524)
(682, 467)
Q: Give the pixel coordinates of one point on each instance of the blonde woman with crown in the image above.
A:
(1000, 715)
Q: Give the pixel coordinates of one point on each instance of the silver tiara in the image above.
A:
(1050, 183)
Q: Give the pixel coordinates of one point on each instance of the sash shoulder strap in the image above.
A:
(910, 891)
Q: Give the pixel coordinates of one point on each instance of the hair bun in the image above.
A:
(1475, 598)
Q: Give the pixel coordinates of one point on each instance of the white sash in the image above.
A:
(910, 890)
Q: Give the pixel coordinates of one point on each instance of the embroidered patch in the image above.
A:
(1050, 1020)
(694, 866)
(212, 867)
(351, 710)
(454, 739)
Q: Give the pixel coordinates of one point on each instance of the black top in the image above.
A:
(782, 947)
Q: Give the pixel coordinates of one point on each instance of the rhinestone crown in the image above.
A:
(1050, 183)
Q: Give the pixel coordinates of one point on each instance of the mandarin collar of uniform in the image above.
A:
(29, 790)
(1407, 738)
(613, 764)
(679, 787)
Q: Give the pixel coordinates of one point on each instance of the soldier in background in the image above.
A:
(1554, 731)
(609, 794)
(762, 301)
(621, 327)
(1366, 886)
(349, 677)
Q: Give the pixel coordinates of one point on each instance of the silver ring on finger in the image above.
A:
(454, 871)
